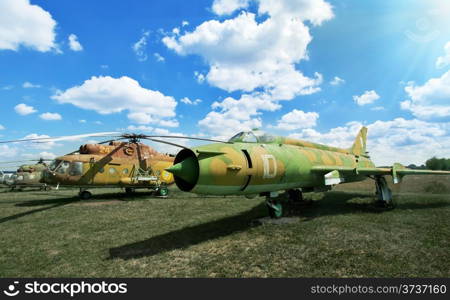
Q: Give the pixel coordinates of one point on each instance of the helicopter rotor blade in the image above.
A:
(24, 160)
(165, 142)
(186, 137)
(63, 138)
(108, 141)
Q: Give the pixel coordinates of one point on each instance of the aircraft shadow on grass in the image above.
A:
(61, 202)
(188, 236)
(333, 203)
(58, 202)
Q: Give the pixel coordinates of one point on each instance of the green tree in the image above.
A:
(435, 163)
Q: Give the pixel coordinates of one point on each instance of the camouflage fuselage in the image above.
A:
(29, 175)
(253, 168)
(118, 164)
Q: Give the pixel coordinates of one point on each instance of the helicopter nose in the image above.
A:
(185, 170)
(46, 177)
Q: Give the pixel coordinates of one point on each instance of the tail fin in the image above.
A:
(359, 146)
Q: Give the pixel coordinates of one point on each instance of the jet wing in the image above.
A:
(397, 171)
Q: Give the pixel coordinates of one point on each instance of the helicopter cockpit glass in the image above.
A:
(76, 168)
(54, 164)
(60, 167)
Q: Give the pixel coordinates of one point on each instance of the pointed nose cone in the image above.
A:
(185, 169)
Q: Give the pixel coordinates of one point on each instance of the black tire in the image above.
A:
(129, 190)
(85, 195)
(163, 191)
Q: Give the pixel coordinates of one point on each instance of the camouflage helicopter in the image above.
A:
(128, 164)
(28, 175)
(254, 163)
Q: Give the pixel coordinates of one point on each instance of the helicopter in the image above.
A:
(122, 161)
(28, 175)
(255, 163)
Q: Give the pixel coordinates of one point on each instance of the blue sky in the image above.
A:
(315, 70)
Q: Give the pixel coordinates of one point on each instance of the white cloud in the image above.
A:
(74, 44)
(337, 81)
(444, 61)
(176, 31)
(245, 55)
(226, 7)
(399, 140)
(7, 87)
(223, 127)
(164, 148)
(431, 100)
(297, 119)
(158, 57)
(82, 121)
(29, 85)
(2, 127)
(8, 151)
(255, 57)
(199, 77)
(367, 98)
(139, 47)
(134, 128)
(377, 108)
(231, 116)
(41, 144)
(98, 122)
(23, 109)
(107, 95)
(48, 116)
(47, 155)
(24, 24)
(188, 101)
(184, 23)
(168, 123)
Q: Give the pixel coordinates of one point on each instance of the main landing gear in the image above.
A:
(383, 192)
(84, 194)
(280, 205)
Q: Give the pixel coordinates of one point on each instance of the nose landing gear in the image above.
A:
(280, 205)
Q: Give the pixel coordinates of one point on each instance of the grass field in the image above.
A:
(341, 234)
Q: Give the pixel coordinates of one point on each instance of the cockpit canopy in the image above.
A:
(73, 168)
(255, 136)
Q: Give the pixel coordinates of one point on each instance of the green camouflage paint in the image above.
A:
(253, 163)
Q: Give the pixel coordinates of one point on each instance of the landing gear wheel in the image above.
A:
(163, 191)
(84, 195)
(383, 193)
(295, 195)
(275, 209)
(129, 190)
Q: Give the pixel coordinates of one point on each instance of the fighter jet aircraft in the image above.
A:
(254, 163)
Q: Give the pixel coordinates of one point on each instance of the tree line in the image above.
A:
(433, 163)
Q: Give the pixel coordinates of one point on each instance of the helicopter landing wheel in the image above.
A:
(85, 195)
(129, 190)
(163, 191)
